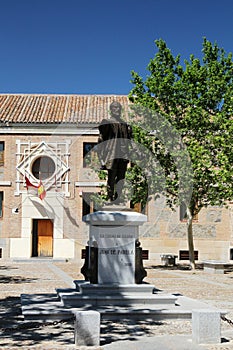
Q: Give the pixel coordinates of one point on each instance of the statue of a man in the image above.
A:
(114, 134)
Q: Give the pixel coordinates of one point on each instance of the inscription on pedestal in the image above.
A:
(116, 253)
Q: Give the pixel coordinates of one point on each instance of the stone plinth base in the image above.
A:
(113, 251)
(112, 295)
(133, 302)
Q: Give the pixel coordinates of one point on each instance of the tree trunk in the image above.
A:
(190, 239)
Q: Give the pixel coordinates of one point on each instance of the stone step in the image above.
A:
(78, 300)
(47, 307)
(146, 314)
(110, 289)
(43, 307)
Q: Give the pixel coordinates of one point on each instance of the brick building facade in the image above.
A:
(45, 138)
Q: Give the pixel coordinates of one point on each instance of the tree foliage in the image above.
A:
(189, 107)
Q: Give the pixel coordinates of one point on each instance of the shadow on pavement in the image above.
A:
(179, 267)
(126, 330)
(15, 332)
(16, 279)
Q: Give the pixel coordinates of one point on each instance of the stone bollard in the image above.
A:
(87, 328)
(206, 327)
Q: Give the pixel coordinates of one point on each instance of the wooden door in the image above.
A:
(43, 231)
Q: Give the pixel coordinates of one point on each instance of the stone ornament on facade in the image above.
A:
(46, 162)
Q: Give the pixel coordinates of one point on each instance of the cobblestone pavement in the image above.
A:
(43, 276)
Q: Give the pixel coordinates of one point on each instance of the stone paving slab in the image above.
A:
(160, 343)
(41, 276)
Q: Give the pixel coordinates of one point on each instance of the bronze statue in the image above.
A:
(114, 134)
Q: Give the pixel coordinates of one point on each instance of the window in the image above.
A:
(1, 204)
(88, 205)
(43, 168)
(231, 254)
(138, 207)
(88, 156)
(183, 215)
(2, 154)
(184, 255)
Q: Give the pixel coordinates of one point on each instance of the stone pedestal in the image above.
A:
(206, 327)
(113, 236)
(87, 328)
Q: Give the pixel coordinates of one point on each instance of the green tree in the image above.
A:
(189, 108)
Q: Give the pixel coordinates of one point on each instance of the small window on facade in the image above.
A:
(2, 146)
(183, 215)
(184, 255)
(1, 204)
(43, 168)
(88, 205)
(138, 207)
(88, 156)
(231, 254)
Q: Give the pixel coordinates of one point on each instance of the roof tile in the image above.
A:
(51, 109)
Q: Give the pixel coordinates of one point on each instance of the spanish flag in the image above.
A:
(32, 189)
(41, 191)
(35, 190)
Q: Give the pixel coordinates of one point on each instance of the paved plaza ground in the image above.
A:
(44, 275)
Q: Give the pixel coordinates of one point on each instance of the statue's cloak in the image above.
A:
(116, 133)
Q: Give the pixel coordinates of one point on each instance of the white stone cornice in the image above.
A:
(88, 184)
(51, 130)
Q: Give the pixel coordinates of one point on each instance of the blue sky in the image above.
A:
(91, 46)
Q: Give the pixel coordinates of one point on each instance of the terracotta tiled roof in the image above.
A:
(50, 109)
